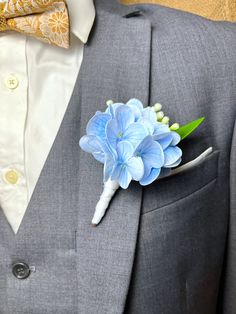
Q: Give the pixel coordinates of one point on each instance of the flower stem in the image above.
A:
(110, 188)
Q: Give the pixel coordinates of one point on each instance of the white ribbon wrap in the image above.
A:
(193, 163)
(110, 188)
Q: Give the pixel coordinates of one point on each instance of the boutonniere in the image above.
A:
(133, 142)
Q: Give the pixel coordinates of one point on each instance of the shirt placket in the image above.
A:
(13, 115)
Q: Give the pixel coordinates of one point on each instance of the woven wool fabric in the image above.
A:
(212, 9)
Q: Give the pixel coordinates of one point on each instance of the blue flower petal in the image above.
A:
(92, 145)
(149, 114)
(112, 133)
(109, 165)
(116, 128)
(165, 141)
(151, 153)
(124, 151)
(172, 154)
(116, 171)
(111, 109)
(147, 125)
(124, 117)
(153, 175)
(124, 178)
(127, 167)
(136, 103)
(176, 138)
(97, 125)
(135, 167)
(135, 133)
(122, 175)
(160, 130)
(136, 106)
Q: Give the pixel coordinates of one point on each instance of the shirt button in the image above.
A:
(11, 82)
(11, 176)
(20, 270)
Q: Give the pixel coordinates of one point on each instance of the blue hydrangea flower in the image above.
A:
(134, 104)
(172, 153)
(92, 144)
(152, 156)
(95, 142)
(131, 143)
(127, 167)
(122, 127)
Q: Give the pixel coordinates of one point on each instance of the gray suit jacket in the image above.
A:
(169, 248)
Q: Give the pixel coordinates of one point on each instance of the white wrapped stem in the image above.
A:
(192, 163)
(110, 188)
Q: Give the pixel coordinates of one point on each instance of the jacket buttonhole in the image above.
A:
(133, 14)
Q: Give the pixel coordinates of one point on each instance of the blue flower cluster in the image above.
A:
(131, 143)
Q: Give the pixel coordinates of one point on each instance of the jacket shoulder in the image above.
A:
(180, 28)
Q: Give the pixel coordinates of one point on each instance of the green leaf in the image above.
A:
(189, 128)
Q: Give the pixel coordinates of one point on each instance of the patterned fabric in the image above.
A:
(216, 10)
(47, 20)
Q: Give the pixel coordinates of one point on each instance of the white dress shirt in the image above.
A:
(36, 83)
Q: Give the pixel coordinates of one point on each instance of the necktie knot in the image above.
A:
(47, 20)
(3, 23)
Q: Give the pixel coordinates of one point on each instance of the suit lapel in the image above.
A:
(116, 66)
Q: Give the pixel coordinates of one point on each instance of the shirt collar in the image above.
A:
(82, 15)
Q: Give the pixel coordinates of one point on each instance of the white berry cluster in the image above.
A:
(157, 108)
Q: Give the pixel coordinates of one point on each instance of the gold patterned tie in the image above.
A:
(47, 20)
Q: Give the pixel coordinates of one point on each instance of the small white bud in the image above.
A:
(110, 102)
(165, 120)
(157, 107)
(152, 108)
(174, 127)
(160, 115)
